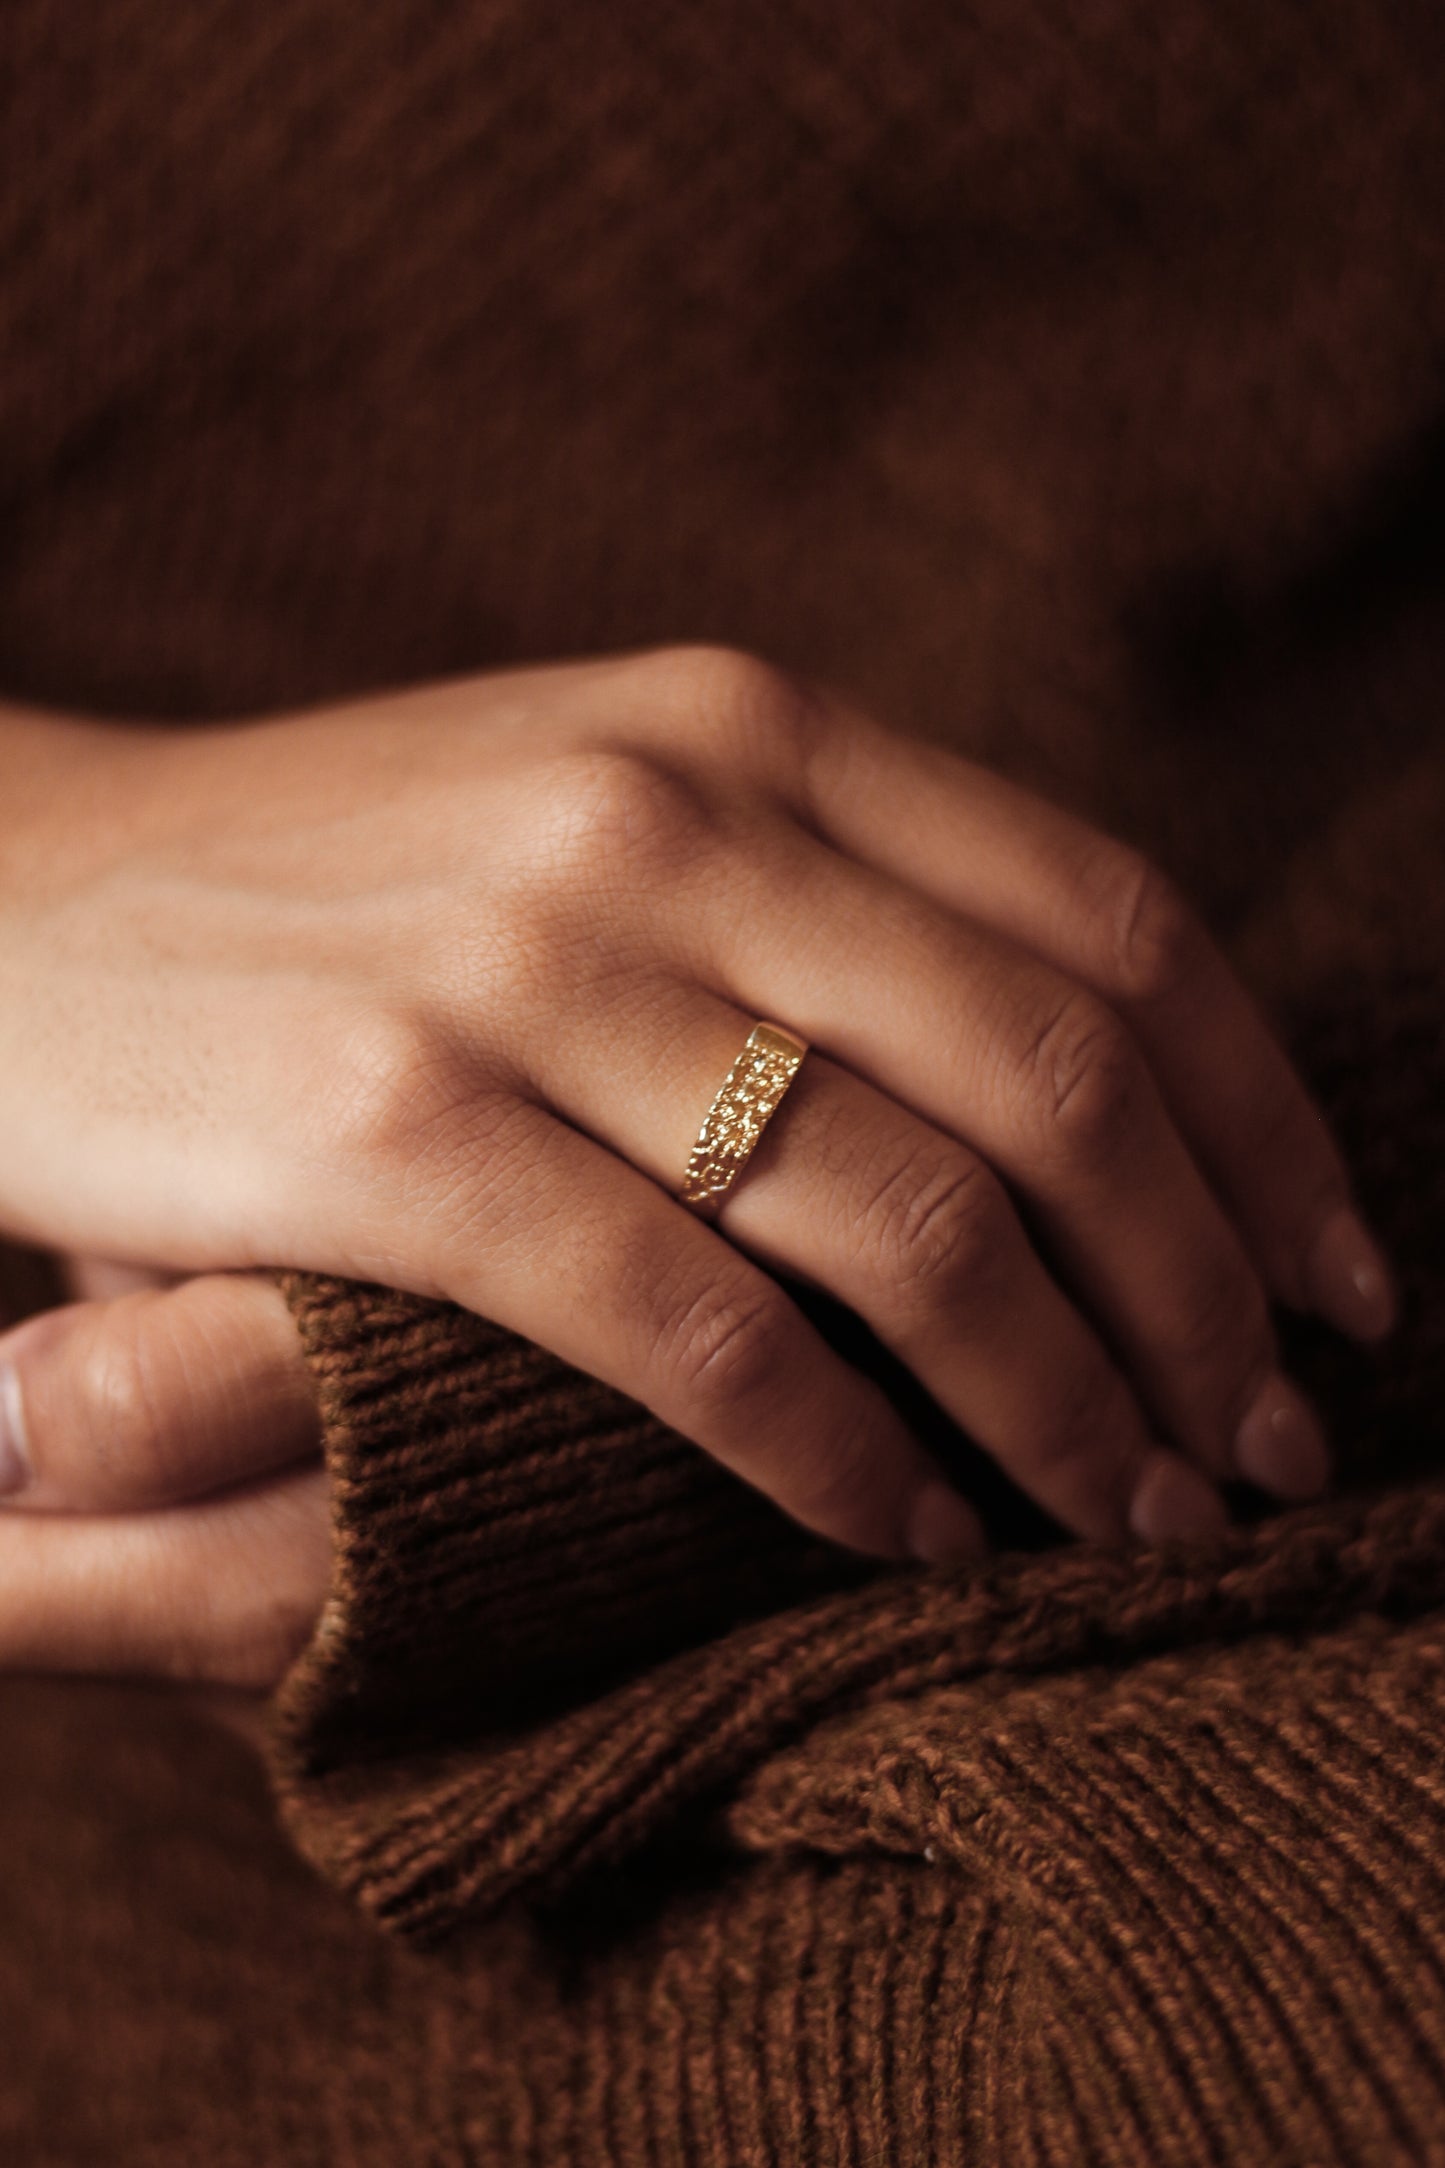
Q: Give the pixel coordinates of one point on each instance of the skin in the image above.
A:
(435, 988)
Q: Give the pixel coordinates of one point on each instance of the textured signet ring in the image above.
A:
(749, 1098)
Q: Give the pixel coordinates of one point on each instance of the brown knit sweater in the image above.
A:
(1065, 381)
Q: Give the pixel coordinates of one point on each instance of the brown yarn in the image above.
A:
(1065, 382)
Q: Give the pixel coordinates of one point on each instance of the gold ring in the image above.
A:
(740, 1113)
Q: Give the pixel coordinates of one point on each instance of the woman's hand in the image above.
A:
(435, 989)
(167, 1511)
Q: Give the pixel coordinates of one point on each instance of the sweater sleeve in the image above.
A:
(509, 1534)
(554, 1627)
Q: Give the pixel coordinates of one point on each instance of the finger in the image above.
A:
(240, 1710)
(153, 1397)
(1044, 1082)
(223, 1592)
(101, 1279)
(987, 849)
(912, 1232)
(537, 1227)
(1103, 914)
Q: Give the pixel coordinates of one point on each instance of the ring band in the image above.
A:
(740, 1113)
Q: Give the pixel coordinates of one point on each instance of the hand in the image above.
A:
(159, 1460)
(434, 989)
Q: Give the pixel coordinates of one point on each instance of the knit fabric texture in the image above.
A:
(1064, 383)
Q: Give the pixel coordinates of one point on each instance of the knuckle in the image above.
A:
(731, 680)
(611, 807)
(729, 1348)
(398, 1083)
(935, 1226)
(118, 1403)
(1154, 937)
(1086, 1079)
(748, 702)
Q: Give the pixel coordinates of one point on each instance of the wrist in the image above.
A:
(75, 792)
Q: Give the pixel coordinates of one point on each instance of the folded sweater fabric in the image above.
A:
(1068, 388)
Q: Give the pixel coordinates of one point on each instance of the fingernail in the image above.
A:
(1348, 1280)
(943, 1530)
(1280, 1445)
(14, 1452)
(1173, 1502)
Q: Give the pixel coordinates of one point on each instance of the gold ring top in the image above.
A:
(740, 1113)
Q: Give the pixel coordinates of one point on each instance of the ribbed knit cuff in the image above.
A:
(429, 1837)
(510, 1536)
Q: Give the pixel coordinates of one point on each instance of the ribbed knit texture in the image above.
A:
(1066, 382)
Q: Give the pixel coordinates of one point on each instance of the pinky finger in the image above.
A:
(221, 1593)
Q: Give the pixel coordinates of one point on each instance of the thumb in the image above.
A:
(143, 1437)
(153, 1398)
